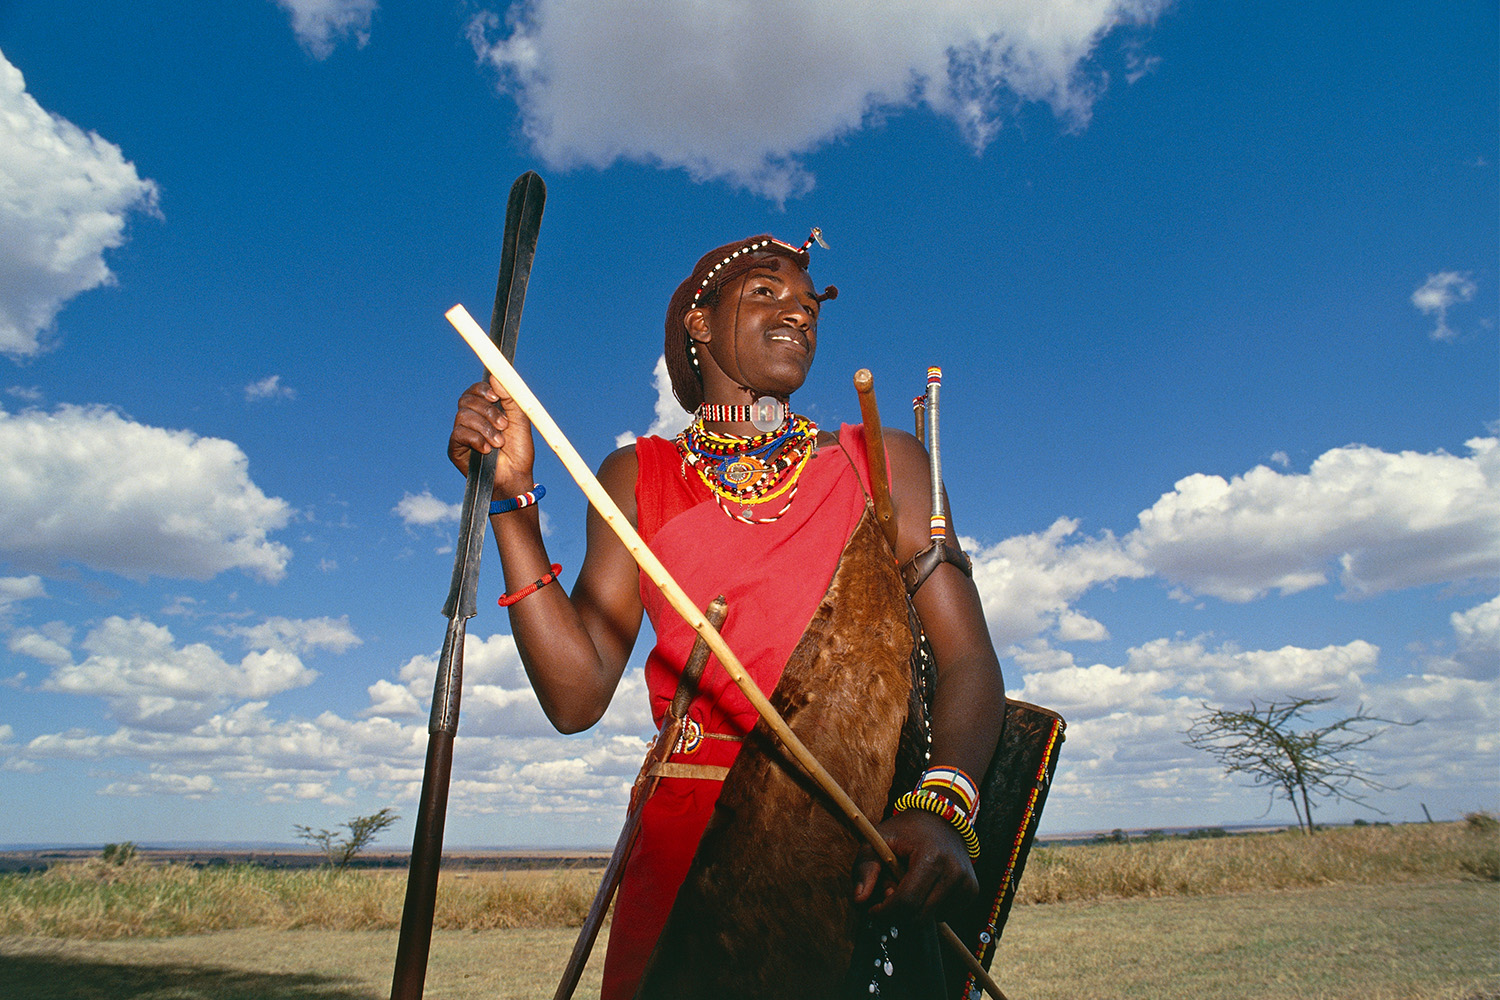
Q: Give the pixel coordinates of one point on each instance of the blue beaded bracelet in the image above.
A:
(516, 503)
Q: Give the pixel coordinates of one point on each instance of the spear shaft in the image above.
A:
(523, 216)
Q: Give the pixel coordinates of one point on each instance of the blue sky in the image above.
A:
(1213, 287)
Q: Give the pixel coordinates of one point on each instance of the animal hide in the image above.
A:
(766, 909)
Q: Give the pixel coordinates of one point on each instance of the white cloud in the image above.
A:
(192, 786)
(1441, 292)
(1124, 754)
(740, 91)
(299, 635)
(1228, 672)
(671, 418)
(1028, 581)
(146, 679)
(320, 24)
(497, 696)
(14, 589)
(269, 387)
(86, 485)
(1476, 654)
(49, 644)
(1478, 631)
(392, 700)
(1387, 520)
(421, 509)
(65, 196)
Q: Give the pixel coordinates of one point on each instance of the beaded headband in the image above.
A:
(816, 236)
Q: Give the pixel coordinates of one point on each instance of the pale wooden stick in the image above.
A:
(675, 595)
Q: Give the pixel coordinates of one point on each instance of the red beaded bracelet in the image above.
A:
(506, 600)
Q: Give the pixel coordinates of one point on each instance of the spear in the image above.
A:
(523, 217)
(602, 502)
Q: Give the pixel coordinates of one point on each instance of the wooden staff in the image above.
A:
(645, 784)
(880, 480)
(602, 502)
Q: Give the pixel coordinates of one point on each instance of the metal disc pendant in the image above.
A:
(740, 470)
(767, 414)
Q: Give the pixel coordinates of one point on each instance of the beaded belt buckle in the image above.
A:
(691, 738)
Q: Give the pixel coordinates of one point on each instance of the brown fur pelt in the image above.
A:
(766, 910)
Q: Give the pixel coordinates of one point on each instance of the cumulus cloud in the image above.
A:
(299, 635)
(1388, 521)
(1027, 582)
(1439, 293)
(1476, 651)
(14, 589)
(422, 509)
(65, 197)
(1478, 631)
(269, 387)
(49, 644)
(321, 24)
(191, 786)
(702, 87)
(1168, 670)
(1125, 756)
(145, 677)
(671, 418)
(86, 485)
(508, 759)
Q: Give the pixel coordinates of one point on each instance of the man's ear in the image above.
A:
(695, 321)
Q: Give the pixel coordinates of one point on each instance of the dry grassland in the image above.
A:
(1374, 913)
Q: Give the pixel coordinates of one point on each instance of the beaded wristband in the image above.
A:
(956, 785)
(939, 806)
(506, 600)
(517, 502)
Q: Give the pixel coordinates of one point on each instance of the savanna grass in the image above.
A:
(1370, 855)
(101, 901)
(97, 901)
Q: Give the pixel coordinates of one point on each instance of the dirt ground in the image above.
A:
(1417, 942)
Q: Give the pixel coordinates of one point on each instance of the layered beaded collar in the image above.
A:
(744, 473)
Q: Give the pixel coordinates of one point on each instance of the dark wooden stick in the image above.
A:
(645, 784)
(880, 480)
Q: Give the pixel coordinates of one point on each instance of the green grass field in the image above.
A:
(1375, 913)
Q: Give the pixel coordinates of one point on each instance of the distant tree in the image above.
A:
(1263, 743)
(340, 849)
(118, 854)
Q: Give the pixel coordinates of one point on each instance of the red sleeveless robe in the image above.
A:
(773, 577)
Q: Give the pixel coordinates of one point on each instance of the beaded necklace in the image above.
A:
(750, 471)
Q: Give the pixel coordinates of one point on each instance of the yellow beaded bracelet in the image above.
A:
(940, 806)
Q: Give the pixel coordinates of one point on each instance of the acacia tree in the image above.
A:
(1262, 743)
(340, 849)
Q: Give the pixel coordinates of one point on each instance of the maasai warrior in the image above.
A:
(756, 503)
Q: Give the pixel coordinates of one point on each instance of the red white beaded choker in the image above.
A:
(765, 414)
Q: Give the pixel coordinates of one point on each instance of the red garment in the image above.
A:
(773, 577)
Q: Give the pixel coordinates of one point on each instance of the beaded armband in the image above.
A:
(954, 784)
(938, 805)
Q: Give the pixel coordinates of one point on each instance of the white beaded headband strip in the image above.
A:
(816, 236)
